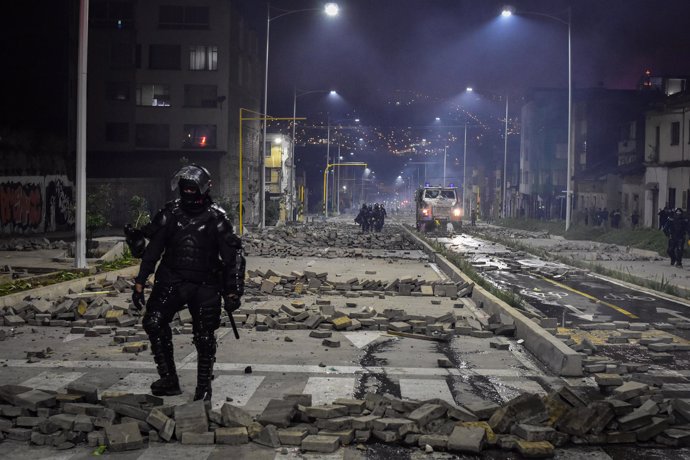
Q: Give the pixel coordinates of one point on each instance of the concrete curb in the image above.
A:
(557, 356)
(60, 289)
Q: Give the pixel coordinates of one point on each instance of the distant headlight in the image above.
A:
(425, 212)
(457, 212)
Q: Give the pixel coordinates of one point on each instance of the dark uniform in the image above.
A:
(676, 229)
(201, 262)
(363, 218)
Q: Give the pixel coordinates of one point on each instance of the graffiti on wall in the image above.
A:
(36, 204)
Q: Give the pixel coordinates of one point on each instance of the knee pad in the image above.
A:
(154, 324)
(205, 343)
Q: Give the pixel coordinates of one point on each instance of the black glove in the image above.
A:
(231, 302)
(138, 298)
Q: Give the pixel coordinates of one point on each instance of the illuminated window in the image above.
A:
(153, 95)
(199, 136)
(203, 57)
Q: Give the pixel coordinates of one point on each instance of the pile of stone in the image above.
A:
(98, 306)
(31, 244)
(321, 240)
(530, 424)
(271, 282)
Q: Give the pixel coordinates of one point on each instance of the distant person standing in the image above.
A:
(676, 229)
(664, 214)
(635, 219)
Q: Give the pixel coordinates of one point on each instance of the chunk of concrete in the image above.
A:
(122, 437)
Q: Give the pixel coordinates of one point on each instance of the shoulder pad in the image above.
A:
(224, 225)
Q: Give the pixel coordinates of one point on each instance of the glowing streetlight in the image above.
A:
(331, 9)
(469, 89)
(507, 11)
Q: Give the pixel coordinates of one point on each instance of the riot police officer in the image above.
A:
(676, 229)
(202, 262)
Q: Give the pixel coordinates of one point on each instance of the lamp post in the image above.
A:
(507, 12)
(505, 161)
(331, 9)
(299, 93)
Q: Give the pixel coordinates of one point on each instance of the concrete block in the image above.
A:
(332, 411)
(196, 438)
(467, 439)
(191, 417)
(34, 399)
(426, 413)
(532, 432)
(345, 436)
(319, 443)
(387, 436)
(278, 412)
(232, 436)
(536, 449)
(125, 436)
(234, 416)
(292, 436)
(630, 390)
(268, 437)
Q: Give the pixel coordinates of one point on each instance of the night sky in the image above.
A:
(438, 47)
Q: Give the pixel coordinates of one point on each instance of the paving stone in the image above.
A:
(436, 441)
(467, 439)
(532, 432)
(608, 380)
(83, 423)
(482, 409)
(268, 436)
(278, 412)
(232, 436)
(331, 343)
(33, 399)
(426, 413)
(658, 425)
(364, 422)
(64, 421)
(386, 436)
(198, 438)
(620, 437)
(87, 391)
(331, 411)
(634, 420)
(538, 449)
(319, 443)
(345, 436)
(292, 436)
(234, 416)
(354, 406)
(400, 425)
(335, 424)
(630, 390)
(125, 436)
(190, 417)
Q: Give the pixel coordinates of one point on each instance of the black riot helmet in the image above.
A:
(679, 211)
(194, 182)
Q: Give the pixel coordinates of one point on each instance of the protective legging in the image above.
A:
(204, 305)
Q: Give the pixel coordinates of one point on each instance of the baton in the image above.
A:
(234, 326)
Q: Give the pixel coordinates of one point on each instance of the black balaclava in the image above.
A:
(194, 183)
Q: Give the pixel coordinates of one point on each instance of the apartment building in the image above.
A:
(167, 79)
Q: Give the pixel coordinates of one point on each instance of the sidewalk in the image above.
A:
(626, 261)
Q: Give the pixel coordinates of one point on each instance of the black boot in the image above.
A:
(168, 384)
(206, 349)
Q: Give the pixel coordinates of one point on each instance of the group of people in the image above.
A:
(371, 219)
(674, 224)
(601, 217)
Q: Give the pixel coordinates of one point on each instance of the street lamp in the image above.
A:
(509, 11)
(331, 9)
(299, 93)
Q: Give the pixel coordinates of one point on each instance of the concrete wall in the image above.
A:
(36, 204)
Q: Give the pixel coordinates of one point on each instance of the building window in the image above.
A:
(117, 132)
(672, 197)
(203, 57)
(153, 95)
(183, 17)
(200, 95)
(118, 14)
(152, 135)
(117, 91)
(267, 149)
(164, 57)
(199, 136)
(267, 175)
(675, 133)
(121, 56)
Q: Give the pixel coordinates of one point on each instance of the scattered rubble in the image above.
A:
(323, 240)
(31, 244)
(530, 424)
